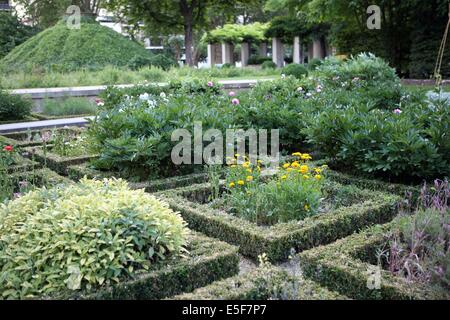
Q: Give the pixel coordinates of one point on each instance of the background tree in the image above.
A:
(169, 17)
(12, 32)
(47, 13)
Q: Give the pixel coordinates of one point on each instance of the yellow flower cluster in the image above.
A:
(245, 170)
(301, 166)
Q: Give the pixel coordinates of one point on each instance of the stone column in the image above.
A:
(245, 53)
(263, 49)
(214, 55)
(211, 55)
(297, 52)
(318, 49)
(227, 53)
(310, 52)
(278, 52)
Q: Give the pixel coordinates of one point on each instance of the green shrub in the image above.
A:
(402, 146)
(13, 107)
(257, 60)
(69, 106)
(313, 64)
(12, 32)
(268, 65)
(83, 236)
(60, 49)
(297, 70)
(133, 134)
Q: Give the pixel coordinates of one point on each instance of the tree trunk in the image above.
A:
(188, 41)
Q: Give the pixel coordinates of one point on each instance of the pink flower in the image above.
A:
(8, 148)
(235, 102)
(397, 111)
(210, 84)
(232, 94)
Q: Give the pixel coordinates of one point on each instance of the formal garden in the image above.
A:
(355, 207)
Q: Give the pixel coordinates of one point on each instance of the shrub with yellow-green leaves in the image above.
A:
(82, 237)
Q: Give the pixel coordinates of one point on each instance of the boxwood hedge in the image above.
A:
(367, 208)
(76, 172)
(345, 266)
(263, 283)
(56, 162)
(208, 261)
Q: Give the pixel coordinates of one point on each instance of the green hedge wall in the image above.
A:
(278, 241)
(208, 261)
(343, 267)
(55, 162)
(25, 138)
(76, 172)
(263, 283)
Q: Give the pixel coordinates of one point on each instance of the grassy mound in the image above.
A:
(62, 49)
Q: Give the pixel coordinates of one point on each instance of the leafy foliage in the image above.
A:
(82, 237)
(12, 33)
(236, 33)
(13, 107)
(297, 70)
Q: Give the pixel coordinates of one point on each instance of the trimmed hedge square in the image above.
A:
(262, 283)
(347, 266)
(208, 260)
(76, 172)
(373, 184)
(26, 138)
(367, 208)
(41, 177)
(56, 162)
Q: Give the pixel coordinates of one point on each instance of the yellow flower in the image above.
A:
(318, 170)
(306, 207)
(259, 161)
(249, 170)
(249, 179)
(241, 182)
(297, 154)
(232, 184)
(318, 176)
(233, 166)
(237, 155)
(305, 176)
(246, 164)
(306, 156)
(286, 165)
(295, 164)
(289, 169)
(284, 177)
(259, 169)
(304, 169)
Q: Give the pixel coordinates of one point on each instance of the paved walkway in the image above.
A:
(36, 125)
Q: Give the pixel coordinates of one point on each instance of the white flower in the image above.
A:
(283, 76)
(144, 96)
(300, 89)
(162, 95)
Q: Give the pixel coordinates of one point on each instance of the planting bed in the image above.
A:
(34, 137)
(262, 284)
(345, 266)
(363, 208)
(54, 161)
(76, 172)
(208, 261)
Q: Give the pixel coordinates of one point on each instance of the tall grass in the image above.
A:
(68, 106)
(114, 75)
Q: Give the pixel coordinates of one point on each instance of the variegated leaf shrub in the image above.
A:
(83, 236)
